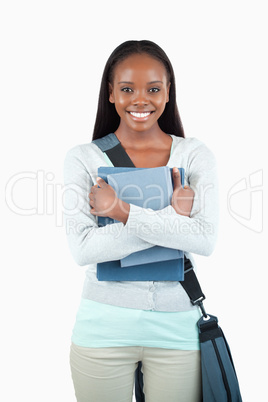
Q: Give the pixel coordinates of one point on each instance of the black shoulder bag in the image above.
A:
(219, 379)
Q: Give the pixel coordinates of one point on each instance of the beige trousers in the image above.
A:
(107, 374)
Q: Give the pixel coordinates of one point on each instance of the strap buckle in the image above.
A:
(199, 302)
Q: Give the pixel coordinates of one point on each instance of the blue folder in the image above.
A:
(148, 188)
(171, 269)
(104, 171)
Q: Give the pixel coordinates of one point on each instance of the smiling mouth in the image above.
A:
(140, 115)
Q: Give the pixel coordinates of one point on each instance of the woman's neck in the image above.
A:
(141, 139)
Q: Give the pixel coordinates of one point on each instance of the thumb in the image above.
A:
(176, 177)
(102, 183)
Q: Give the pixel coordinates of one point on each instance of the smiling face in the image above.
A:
(139, 92)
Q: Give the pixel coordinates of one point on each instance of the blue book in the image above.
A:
(172, 270)
(153, 254)
(168, 270)
(103, 172)
(148, 188)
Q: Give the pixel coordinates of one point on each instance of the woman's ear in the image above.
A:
(111, 93)
(168, 88)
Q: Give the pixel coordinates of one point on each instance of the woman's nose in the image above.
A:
(140, 98)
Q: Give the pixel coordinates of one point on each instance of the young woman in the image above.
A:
(121, 323)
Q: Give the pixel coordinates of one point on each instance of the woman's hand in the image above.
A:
(182, 198)
(104, 202)
(103, 198)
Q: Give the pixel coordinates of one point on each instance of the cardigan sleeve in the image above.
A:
(197, 233)
(89, 243)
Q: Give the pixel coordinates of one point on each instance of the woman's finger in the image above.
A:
(101, 183)
(93, 188)
(176, 178)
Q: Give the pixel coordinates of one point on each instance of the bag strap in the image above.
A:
(119, 158)
(114, 150)
(192, 286)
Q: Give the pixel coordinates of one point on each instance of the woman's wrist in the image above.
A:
(121, 211)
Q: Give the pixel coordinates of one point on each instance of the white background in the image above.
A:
(53, 54)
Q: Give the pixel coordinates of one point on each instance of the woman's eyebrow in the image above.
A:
(154, 82)
(126, 82)
(132, 83)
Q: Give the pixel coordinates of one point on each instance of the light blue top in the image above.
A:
(102, 325)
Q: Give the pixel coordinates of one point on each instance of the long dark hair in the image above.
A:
(107, 119)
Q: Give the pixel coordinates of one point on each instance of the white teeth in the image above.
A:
(140, 114)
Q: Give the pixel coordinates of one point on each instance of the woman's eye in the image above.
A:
(154, 90)
(126, 89)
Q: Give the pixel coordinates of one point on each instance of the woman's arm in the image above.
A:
(167, 228)
(89, 243)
